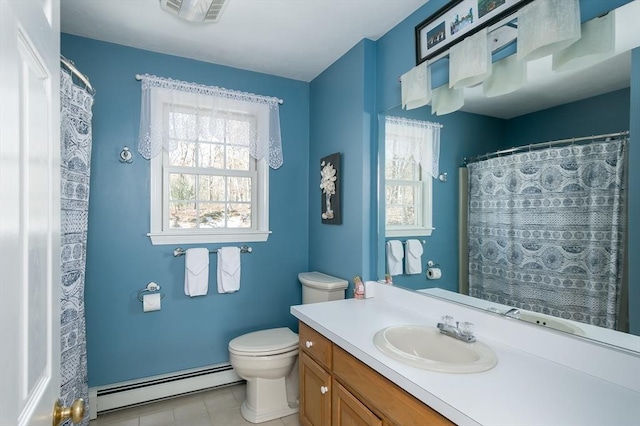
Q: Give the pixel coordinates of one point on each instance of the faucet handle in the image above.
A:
(466, 328)
(447, 320)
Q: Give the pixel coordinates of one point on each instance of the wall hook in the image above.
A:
(442, 177)
(126, 156)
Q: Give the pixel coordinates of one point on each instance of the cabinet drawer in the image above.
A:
(384, 397)
(315, 344)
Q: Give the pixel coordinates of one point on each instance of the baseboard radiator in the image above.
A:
(148, 389)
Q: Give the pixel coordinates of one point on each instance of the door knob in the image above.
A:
(323, 389)
(75, 412)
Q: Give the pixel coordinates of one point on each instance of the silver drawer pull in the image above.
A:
(308, 343)
(323, 389)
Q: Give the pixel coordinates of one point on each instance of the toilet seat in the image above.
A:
(264, 342)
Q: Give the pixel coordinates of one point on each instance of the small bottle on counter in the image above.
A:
(388, 279)
(358, 288)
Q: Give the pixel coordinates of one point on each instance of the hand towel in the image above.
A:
(196, 272)
(413, 257)
(395, 253)
(415, 87)
(228, 269)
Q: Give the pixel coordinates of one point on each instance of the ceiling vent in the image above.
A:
(195, 10)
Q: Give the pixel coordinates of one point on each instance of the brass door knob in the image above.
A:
(75, 412)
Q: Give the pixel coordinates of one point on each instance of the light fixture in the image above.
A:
(548, 26)
(195, 10)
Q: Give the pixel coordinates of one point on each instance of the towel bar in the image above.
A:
(422, 241)
(181, 252)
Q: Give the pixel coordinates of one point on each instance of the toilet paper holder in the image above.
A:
(150, 288)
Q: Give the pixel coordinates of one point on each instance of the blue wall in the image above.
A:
(598, 115)
(123, 343)
(343, 120)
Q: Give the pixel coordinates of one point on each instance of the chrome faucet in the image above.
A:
(513, 313)
(462, 331)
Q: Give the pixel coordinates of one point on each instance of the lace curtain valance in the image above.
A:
(415, 139)
(208, 103)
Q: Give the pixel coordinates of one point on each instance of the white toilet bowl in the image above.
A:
(267, 360)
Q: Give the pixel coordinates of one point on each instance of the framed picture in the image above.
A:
(330, 189)
(457, 20)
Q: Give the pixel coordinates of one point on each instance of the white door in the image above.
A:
(29, 211)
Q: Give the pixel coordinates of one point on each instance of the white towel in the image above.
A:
(415, 87)
(413, 257)
(395, 253)
(196, 272)
(228, 269)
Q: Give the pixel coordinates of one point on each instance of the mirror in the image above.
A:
(590, 101)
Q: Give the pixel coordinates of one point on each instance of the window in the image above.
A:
(411, 156)
(206, 187)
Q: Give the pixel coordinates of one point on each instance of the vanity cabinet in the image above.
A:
(338, 389)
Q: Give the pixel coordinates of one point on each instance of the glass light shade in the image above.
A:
(446, 100)
(596, 44)
(415, 86)
(547, 26)
(508, 75)
(470, 61)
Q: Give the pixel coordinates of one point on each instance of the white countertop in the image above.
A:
(523, 388)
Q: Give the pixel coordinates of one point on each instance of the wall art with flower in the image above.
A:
(330, 189)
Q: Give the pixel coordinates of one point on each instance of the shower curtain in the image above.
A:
(75, 139)
(546, 231)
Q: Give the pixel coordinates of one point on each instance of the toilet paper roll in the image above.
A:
(151, 302)
(434, 273)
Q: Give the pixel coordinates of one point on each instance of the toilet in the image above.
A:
(268, 359)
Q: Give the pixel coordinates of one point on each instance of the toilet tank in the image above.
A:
(319, 287)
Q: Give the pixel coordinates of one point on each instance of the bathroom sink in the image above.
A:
(551, 322)
(425, 347)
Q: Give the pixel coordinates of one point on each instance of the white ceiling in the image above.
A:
(295, 39)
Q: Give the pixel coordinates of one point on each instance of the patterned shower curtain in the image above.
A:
(546, 231)
(75, 121)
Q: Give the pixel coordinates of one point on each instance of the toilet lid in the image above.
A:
(265, 342)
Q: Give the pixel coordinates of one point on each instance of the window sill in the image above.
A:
(161, 238)
(409, 232)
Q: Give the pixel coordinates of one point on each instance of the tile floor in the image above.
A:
(217, 407)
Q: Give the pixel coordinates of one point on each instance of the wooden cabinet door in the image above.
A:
(348, 411)
(315, 393)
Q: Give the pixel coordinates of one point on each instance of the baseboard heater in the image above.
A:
(148, 389)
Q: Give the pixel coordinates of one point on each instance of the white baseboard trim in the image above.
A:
(133, 392)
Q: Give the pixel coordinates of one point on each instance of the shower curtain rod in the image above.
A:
(71, 67)
(606, 137)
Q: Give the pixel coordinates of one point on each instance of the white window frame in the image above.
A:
(424, 208)
(160, 233)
